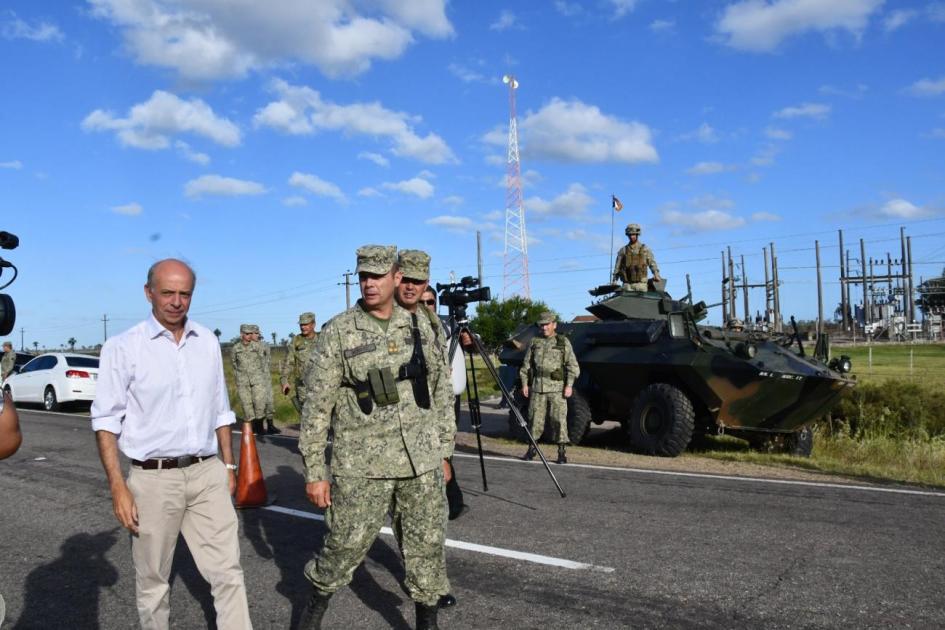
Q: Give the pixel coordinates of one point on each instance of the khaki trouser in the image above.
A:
(194, 501)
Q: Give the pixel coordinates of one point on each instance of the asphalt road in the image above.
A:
(647, 550)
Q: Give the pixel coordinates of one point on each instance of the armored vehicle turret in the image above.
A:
(648, 363)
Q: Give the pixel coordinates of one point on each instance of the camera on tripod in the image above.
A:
(7, 309)
(458, 294)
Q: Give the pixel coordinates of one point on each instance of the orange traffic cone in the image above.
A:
(250, 485)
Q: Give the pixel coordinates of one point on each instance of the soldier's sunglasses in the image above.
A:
(429, 302)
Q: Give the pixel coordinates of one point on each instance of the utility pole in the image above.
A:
(724, 291)
(776, 292)
(347, 275)
(843, 291)
(479, 255)
(745, 291)
(820, 294)
(764, 252)
(105, 327)
(515, 273)
(22, 337)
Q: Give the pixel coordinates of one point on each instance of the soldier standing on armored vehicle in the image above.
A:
(251, 364)
(296, 354)
(632, 261)
(548, 372)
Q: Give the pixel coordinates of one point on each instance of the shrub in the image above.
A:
(894, 408)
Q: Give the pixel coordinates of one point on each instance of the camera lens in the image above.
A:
(7, 314)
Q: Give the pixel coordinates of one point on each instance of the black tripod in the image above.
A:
(458, 325)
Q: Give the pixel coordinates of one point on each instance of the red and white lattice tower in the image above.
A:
(515, 273)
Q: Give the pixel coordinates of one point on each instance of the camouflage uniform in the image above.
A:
(6, 364)
(251, 366)
(548, 368)
(387, 449)
(293, 366)
(632, 261)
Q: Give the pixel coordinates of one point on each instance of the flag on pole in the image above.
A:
(618, 206)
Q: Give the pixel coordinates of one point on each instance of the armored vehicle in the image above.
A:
(647, 363)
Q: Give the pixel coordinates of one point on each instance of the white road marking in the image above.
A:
(665, 473)
(673, 473)
(467, 546)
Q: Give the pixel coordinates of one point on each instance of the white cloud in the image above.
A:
(704, 134)
(150, 124)
(662, 26)
(776, 133)
(316, 185)
(453, 223)
(817, 111)
(465, 74)
(622, 7)
(765, 216)
(936, 11)
(414, 186)
(188, 153)
(709, 168)
(928, 87)
(573, 203)
(453, 200)
(130, 209)
(856, 92)
(370, 192)
(295, 201)
(902, 209)
(377, 158)
(702, 221)
(572, 131)
(302, 111)
(765, 155)
(505, 21)
(15, 28)
(761, 25)
(14, 164)
(493, 215)
(899, 18)
(222, 186)
(568, 9)
(938, 133)
(216, 39)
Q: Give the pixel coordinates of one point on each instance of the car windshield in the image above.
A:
(86, 362)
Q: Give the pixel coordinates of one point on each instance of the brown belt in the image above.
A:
(170, 462)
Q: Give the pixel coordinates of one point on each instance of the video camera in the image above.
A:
(457, 295)
(7, 309)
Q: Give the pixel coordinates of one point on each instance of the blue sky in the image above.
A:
(264, 141)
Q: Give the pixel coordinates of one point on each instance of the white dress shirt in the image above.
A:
(162, 398)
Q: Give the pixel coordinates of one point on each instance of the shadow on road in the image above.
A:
(65, 592)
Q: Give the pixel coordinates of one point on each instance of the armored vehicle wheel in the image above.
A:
(579, 417)
(661, 420)
(800, 443)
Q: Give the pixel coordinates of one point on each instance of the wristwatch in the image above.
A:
(231, 466)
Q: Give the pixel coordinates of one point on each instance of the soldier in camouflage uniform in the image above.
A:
(632, 261)
(8, 361)
(548, 372)
(382, 371)
(296, 355)
(251, 365)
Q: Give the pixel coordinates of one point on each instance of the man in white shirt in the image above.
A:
(161, 399)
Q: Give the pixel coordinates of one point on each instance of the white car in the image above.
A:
(53, 379)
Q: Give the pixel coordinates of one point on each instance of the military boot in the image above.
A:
(426, 617)
(562, 456)
(314, 611)
(272, 430)
(530, 453)
(258, 428)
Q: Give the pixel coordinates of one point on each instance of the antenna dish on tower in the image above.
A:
(508, 78)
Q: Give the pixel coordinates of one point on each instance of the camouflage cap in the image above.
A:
(307, 318)
(546, 317)
(632, 228)
(376, 259)
(248, 328)
(414, 264)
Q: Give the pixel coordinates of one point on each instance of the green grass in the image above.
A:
(926, 364)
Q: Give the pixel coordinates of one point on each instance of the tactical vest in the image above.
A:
(558, 373)
(636, 266)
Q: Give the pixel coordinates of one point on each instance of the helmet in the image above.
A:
(632, 228)
(735, 324)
